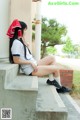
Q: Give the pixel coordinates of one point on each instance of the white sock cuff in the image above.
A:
(51, 77)
(58, 79)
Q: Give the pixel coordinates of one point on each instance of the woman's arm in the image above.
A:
(18, 60)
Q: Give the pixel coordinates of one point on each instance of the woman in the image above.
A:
(19, 53)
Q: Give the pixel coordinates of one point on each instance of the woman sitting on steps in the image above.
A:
(19, 53)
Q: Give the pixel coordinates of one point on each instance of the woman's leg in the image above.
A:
(48, 66)
(45, 70)
(48, 60)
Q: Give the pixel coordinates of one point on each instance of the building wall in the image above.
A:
(22, 10)
(4, 23)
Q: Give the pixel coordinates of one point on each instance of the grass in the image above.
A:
(76, 84)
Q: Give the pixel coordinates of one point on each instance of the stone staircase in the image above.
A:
(49, 105)
(18, 92)
(30, 98)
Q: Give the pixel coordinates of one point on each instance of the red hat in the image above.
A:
(12, 27)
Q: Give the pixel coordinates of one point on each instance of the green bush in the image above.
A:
(51, 50)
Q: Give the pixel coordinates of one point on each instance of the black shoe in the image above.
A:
(54, 82)
(63, 90)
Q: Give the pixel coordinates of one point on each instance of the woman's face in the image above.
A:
(24, 32)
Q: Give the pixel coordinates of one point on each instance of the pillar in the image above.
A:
(38, 31)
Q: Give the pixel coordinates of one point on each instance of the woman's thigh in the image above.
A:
(48, 60)
(45, 70)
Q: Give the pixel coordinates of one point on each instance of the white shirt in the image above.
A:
(17, 49)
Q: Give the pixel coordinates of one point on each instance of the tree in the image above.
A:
(68, 47)
(77, 50)
(52, 32)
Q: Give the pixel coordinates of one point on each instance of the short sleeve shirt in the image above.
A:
(17, 49)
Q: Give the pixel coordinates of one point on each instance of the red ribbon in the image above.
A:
(12, 27)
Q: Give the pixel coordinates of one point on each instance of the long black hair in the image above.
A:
(23, 26)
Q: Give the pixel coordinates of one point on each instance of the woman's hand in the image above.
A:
(34, 66)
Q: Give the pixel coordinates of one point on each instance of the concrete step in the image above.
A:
(23, 82)
(49, 105)
(72, 107)
(12, 81)
(22, 103)
(8, 73)
(18, 92)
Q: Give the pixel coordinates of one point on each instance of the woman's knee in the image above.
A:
(52, 58)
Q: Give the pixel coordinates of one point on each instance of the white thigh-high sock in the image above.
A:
(58, 80)
(51, 77)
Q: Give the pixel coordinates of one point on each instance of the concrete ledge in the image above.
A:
(49, 105)
(23, 82)
(7, 66)
(10, 79)
(22, 103)
(8, 73)
(20, 92)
